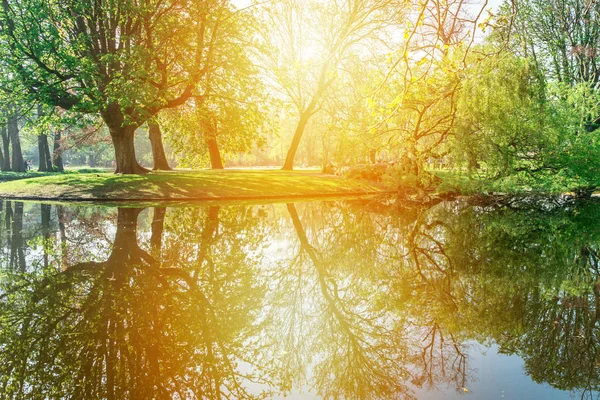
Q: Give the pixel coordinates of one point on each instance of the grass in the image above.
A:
(13, 176)
(181, 186)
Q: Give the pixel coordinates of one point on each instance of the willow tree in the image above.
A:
(123, 60)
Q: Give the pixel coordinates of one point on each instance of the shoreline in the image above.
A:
(187, 186)
(230, 185)
(148, 202)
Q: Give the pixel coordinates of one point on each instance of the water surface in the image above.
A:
(339, 299)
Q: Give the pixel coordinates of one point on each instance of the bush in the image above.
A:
(369, 172)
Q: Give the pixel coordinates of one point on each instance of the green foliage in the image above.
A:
(232, 107)
(78, 57)
(504, 119)
(522, 131)
(123, 61)
(519, 110)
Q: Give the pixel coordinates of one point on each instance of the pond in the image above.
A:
(347, 299)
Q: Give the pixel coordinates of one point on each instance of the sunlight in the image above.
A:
(310, 199)
(241, 3)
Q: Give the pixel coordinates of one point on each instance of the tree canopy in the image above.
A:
(508, 93)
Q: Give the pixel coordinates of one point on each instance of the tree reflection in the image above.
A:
(125, 327)
(529, 281)
(359, 338)
(362, 355)
(347, 299)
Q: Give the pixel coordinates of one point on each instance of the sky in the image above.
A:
(492, 3)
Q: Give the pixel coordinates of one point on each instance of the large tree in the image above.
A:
(309, 42)
(228, 112)
(124, 60)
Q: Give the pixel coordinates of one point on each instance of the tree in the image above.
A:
(520, 120)
(18, 164)
(505, 119)
(124, 61)
(563, 37)
(158, 150)
(45, 160)
(5, 147)
(229, 112)
(308, 42)
(426, 70)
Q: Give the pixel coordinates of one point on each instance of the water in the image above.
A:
(339, 299)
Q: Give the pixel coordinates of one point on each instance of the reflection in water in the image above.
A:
(355, 299)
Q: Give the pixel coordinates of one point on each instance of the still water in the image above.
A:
(337, 300)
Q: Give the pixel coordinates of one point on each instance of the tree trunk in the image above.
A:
(215, 155)
(47, 151)
(57, 153)
(2, 152)
(44, 152)
(42, 155)
(373, 156)
(291, 154)
(92, 160)
(18, 163)
(5, 149)
(122, 138)
(158, 151)
(45, 161)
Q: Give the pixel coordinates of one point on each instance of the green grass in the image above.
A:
(178, 185)
(12, 176)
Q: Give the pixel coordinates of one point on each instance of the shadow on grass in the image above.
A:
(190, 185)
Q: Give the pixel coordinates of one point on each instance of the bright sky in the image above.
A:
(241, 3)
(495, 4)
(245, 3)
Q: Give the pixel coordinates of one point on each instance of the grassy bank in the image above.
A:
(178, 185)
(6, 176)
